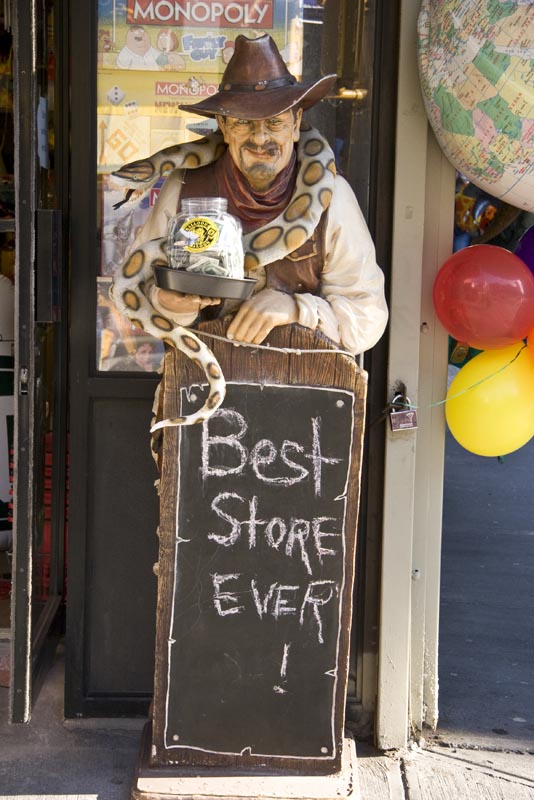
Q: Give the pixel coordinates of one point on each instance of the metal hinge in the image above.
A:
(24, 377)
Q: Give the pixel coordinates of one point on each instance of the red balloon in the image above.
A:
(484, 296)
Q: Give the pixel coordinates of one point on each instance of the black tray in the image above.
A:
(179, 280)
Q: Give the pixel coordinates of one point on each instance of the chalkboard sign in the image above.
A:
(256, 581)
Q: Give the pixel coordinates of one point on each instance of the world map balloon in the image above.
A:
(476, 63)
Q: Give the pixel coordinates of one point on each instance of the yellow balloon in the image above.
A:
(490, 402)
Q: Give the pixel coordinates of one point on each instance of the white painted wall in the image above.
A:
(429, 463)
(422, 239)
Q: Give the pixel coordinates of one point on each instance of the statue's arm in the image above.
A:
(352, 308)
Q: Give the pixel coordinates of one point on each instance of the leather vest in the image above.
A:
(300, 271)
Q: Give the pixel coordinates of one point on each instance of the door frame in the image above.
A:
(32, 645)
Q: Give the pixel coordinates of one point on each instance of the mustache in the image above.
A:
(270, 148)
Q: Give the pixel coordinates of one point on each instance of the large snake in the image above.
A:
(313, 191)
(133, 303)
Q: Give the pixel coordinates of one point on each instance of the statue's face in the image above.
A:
(261, 148)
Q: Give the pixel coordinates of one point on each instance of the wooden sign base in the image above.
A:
(257, 537)
(209, 783)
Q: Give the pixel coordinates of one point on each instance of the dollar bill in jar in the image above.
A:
(205, 239)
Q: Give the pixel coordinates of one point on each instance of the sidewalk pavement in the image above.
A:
(486, 654)
(484, 746)
(53, 759)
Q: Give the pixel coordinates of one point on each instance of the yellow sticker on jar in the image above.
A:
(201, 232)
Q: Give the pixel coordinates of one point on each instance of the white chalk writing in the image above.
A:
(317, 594)
(225, 597)
(300, 535)
(270, 465)
(283, 668)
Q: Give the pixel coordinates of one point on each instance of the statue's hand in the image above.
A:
(180, 303)
(260, 314)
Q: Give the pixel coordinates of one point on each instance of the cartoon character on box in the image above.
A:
(305, 240)
(138, 52)
(167, 44)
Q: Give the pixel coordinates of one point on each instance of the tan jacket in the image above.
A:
(351, 307)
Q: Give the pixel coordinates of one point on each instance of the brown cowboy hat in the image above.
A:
(256, 84)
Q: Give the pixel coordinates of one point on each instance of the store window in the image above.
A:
(155, 55)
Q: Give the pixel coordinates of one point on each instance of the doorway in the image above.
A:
(121, 112)
(486, 608)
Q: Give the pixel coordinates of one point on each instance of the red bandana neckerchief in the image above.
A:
(254, 209)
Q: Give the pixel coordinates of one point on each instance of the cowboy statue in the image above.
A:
(308, 252)
(305, 240)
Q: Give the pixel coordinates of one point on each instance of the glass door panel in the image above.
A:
(7, 276)
(48, 515)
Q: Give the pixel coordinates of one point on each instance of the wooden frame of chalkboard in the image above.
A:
(258, 516)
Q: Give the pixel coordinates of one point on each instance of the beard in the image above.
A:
(260, 171)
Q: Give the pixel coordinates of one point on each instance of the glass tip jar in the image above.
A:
(205, 239)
